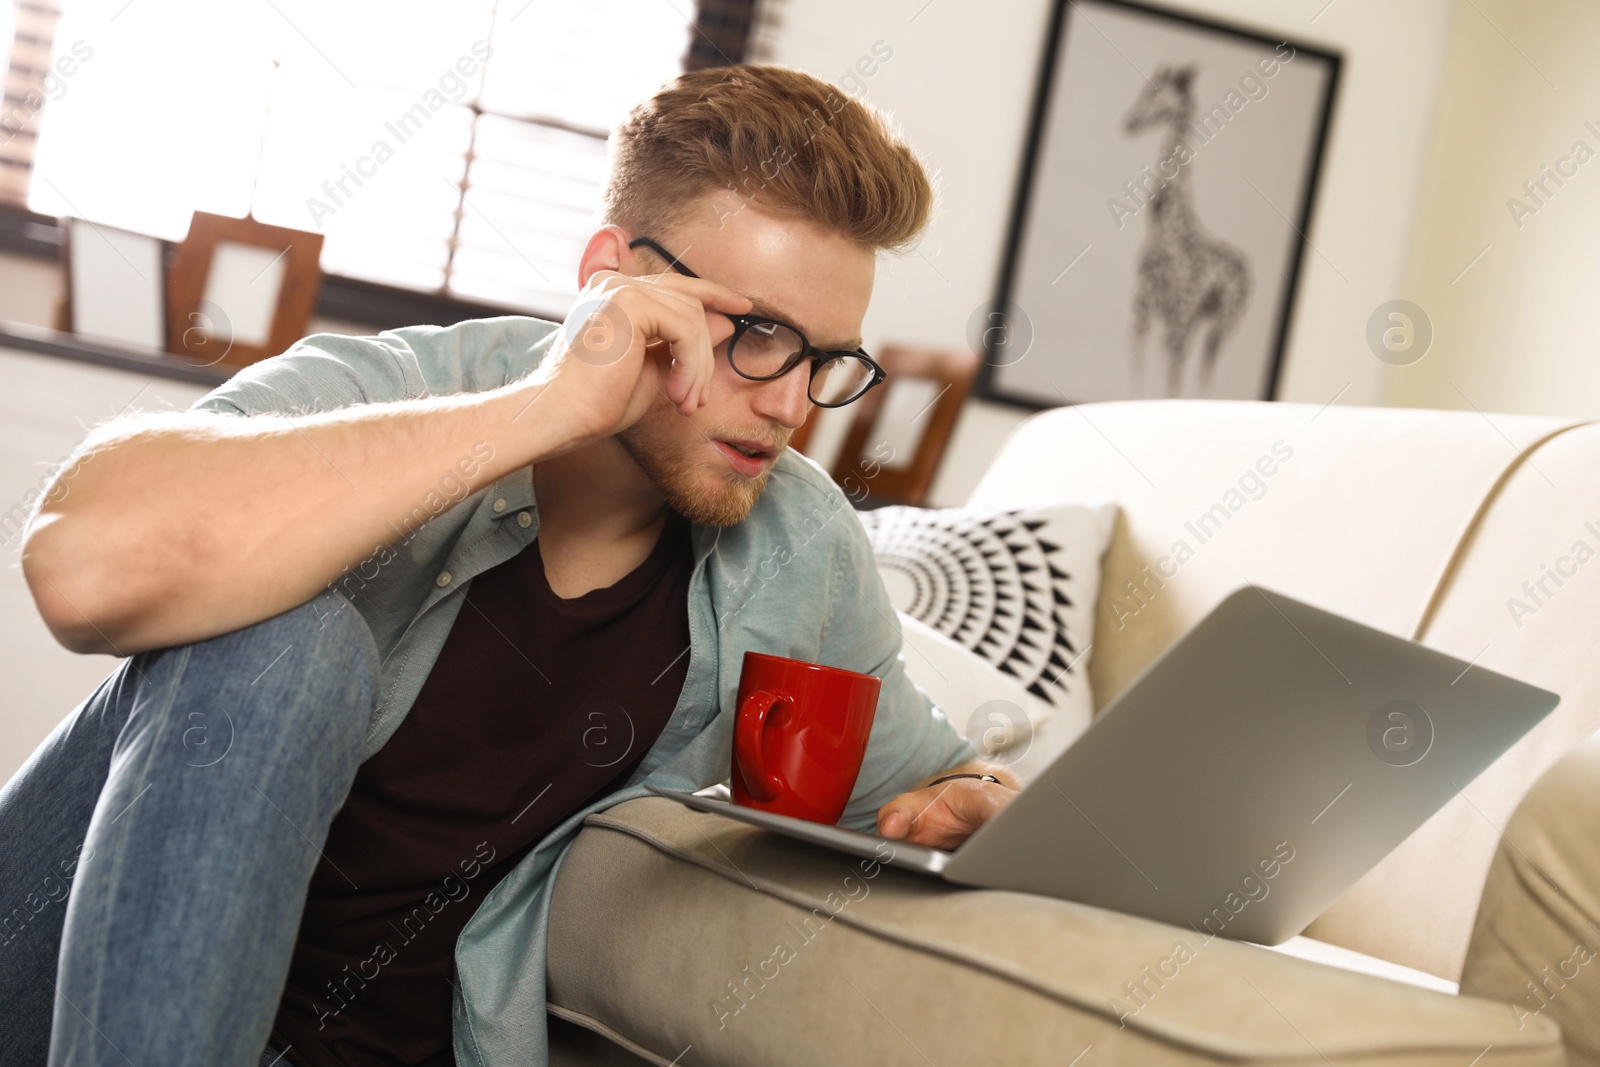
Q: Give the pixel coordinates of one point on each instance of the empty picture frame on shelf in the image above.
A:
(1161, 216)
(115, 285)
(240, 291)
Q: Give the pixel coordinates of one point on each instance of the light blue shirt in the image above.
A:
(796, 578)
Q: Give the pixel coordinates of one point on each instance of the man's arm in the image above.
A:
(912, 738)
(177, 526)
(913, 742)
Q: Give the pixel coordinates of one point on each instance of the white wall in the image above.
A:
(960, 84)
(1517, 332)
(47, 406)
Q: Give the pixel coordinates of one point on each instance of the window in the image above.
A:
(455, 148)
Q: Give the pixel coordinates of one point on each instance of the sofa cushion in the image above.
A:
(697, 938)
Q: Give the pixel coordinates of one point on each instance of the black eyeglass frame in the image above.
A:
(741, 323)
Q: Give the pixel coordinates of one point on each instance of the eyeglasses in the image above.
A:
(762, 349)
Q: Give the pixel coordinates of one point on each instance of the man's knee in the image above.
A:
(1557, 825)
(324, 632)
(1536, 940)
(338, 630)
(326, 652)
(304, 679)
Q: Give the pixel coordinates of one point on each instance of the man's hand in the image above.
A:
(944, 815)
(629, 340)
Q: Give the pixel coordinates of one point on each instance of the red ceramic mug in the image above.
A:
(799, 736)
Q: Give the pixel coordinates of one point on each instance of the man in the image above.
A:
(401, 610)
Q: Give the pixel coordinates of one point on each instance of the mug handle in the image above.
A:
(748, 726)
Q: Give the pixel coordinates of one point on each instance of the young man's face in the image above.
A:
(796, 271)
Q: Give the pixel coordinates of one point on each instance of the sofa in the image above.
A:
(1457, 529)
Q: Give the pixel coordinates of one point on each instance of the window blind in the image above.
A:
(27, 30)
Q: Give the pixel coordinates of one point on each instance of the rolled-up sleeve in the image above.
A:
(329, 371)
(323, 372)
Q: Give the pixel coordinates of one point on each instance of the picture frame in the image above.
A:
(114, 285)
(240, 291)
(1159, 225)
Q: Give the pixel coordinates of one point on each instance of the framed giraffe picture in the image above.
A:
(1162, 211)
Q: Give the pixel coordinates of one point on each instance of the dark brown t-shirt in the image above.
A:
(535, 707)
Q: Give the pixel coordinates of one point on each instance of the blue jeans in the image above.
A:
(157, 848)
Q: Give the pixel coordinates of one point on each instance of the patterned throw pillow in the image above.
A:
(1014, 586)
(988, 708)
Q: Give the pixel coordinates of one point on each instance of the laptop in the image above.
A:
(1241, 783)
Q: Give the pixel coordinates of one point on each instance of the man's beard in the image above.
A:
(712, 494)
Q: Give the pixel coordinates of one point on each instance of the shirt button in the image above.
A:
(499, 505)
(443, 579)
(524, 520)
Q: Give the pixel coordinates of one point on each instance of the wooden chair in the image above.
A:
(863, 462)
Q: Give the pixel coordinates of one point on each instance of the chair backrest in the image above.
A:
(901, 479)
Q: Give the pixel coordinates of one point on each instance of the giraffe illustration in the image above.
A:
(1187, 278)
